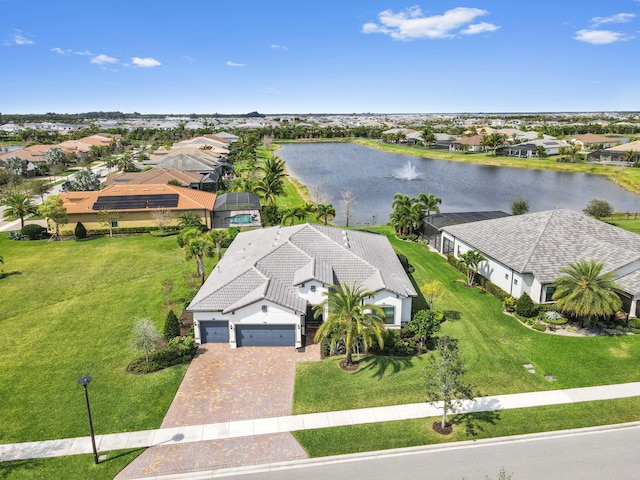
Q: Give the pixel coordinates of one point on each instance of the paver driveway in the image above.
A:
(222, 385)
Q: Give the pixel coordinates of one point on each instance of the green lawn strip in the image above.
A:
(493, 345)
(68, 310)
(77, 467)
(411, 433)
(629, 225)
(626, 177)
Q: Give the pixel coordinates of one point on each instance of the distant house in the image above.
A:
(530, 149)
(206, 182)
(139, 202)
(237, 209)
(617, 154)
(35, 155)
(263, 290)
(474, 144)
(525, 252)
(590, 141)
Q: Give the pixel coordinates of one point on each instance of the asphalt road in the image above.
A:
(597, 453)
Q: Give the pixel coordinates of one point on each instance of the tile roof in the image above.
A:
(541, 243)
(188, 199)
(285, 257)
(155, 175)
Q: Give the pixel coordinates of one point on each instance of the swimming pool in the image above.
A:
(241, 219)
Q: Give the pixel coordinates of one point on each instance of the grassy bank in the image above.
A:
(626, 177)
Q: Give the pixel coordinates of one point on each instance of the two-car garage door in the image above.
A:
(266, 335)
(249, 335)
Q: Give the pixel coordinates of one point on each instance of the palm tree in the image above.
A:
(197, 245)
(269, 188)
(585, 292)
(629, 156)
(291, 214)
(401, 215)
(18, 206)
(124, 163)
(472, 260)
(219, 237)
(325, 212)
(350, 319)
(430, 203)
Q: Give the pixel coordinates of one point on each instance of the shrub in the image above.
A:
(509, 304)
(541, 327)
(635, 330)
(80, 231)
(634, 322)
(171, 326)
(425, 323)
(397, 343)
(405, 263)
(554, 318)
(179, 350)
(33, 231)
(16, 235)
(526, 307)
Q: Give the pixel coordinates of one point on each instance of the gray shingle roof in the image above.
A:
(271, 263)
(541, 243)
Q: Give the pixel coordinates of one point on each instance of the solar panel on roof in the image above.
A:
(135, 202)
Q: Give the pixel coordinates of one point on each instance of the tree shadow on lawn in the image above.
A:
(452, 315)
(479, 414)
(8, 274)
(380, 366)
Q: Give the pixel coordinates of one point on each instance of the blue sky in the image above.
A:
(307, 56)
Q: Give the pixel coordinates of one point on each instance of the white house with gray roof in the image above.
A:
(525, 252)
(262, 290)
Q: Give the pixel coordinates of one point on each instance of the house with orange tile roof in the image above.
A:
(140, 203)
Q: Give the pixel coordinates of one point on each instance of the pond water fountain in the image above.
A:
(408, 172)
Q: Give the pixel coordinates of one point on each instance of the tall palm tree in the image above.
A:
(585, 292)
(350, 319)
(218, 238)
(290, 215)
(197, 245)
(430, 203)
(18, 206)
(401, 215)
(269, 188)
(325, 212)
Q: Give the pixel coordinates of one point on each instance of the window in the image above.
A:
(548, 294)
(515, 281)
(264, 309)
(389, 315)
(114, 222)
(312, 289)
(506, 276)
(447, 246)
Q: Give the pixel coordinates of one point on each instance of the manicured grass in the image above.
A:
(410, 433)
(626, 177)
(629, 225)
(67, 310)
(77, 467)
(494, 346)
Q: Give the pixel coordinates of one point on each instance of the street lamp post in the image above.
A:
(84, 381)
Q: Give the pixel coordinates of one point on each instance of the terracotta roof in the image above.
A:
(33, 153)
(154, 176)
(188, 199)
(475, 140)
(593, 138)
(635, 146)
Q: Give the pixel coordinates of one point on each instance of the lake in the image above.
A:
(375, 176)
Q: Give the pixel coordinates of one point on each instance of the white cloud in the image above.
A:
(233, 64)
(411, 23)
(61, 51)
(102, 59)
(481, 27)
(282, 47)
(617, 18)
(20, 39)
(147, 62)
(600, 37)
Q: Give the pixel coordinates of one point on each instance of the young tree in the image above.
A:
(584, 291)
(110, 218)
(433, 292)
(162, 218)
(472, 260)
(444, 378)
(190, 220)
(146, 337)
(598, 208)
(39, 188)
(18, 205)
(55, 212)
(197, 245)
(348, 202)
(171, 326)
(519, 206)
(349, 319)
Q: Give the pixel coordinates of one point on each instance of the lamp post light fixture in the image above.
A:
(84, 381)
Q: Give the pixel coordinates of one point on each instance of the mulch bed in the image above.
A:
(437, 426)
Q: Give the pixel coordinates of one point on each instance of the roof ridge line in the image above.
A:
(535, 246)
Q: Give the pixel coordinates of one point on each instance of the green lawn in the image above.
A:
(411, 433)
(494, 347)
(630, 225)
(77, 467)
(67, 310)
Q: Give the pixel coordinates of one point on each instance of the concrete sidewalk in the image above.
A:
(244, 428)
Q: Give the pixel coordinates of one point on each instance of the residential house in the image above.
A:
(237, 209)
(474, 143)
(590, 141)
(617, 154)
(526, 252)
(140, 203)
(207, 182)
(263, 290)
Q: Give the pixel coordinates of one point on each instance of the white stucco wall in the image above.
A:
(402, 306)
